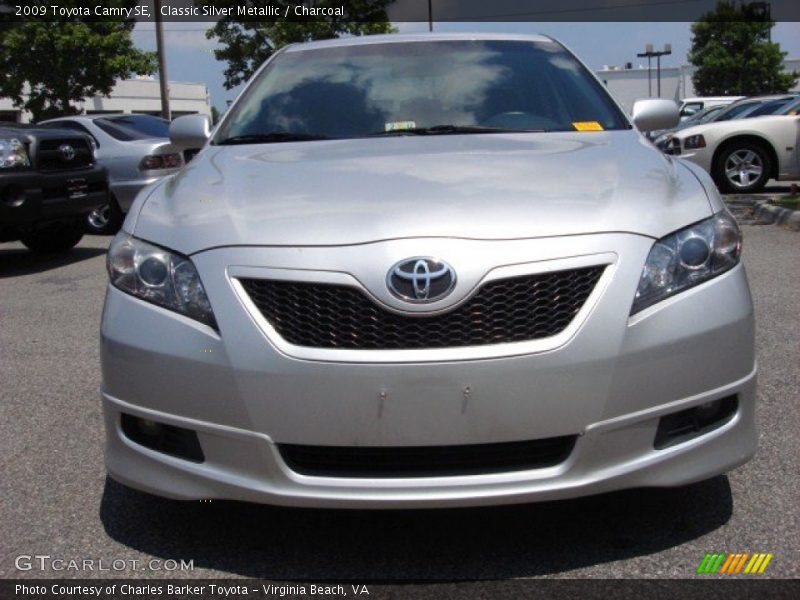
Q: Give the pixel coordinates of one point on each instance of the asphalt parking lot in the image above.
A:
(56, 500)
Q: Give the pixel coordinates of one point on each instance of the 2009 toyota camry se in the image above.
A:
(426, 271)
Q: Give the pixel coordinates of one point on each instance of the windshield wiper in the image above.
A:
(452, 129)
(272, 137)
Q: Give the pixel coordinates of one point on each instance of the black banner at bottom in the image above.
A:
(254, 589)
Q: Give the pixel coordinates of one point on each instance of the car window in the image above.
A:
(769, 108)
(791, 109)
(355, 91)
(736, 110)
(67, 124)
(690, 108)
(134, 127)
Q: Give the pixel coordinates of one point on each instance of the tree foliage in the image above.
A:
(246, 43)
(734, 56)
(47, 67)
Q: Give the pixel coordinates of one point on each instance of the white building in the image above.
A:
(628, 85)
(141, 96)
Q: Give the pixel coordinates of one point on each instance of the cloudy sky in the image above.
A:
(190, 55)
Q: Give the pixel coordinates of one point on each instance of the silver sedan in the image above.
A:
(424, 271)
(134, 149)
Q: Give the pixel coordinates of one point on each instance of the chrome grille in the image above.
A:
(517, 309)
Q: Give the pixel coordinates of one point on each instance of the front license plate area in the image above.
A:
(77, 188)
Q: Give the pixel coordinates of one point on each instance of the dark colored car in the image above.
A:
(49, 182)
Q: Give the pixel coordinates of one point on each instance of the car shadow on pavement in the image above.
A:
(415, 545)
(20, 261)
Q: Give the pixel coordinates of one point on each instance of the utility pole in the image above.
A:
(650, 53)
(430, 15)
(162, 63)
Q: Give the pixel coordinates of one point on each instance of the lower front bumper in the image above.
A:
(42, 197)
(609, 455)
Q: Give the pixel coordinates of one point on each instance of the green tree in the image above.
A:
(246, 43)
(47, 67)
(215, 116)
(732, 51)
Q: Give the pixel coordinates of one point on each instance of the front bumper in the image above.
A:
(44, 195)
(608, 382)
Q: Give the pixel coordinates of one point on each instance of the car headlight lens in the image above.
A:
(694, 141)
(159, 276)
(688, 257)
(13, 154)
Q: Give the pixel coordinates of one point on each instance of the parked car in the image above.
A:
(742, 155)
(691, 106)
(742, 109)
(136, 151)
(702, 116)
(49, 182)
(463, 278)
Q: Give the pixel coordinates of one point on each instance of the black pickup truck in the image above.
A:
(49, 182)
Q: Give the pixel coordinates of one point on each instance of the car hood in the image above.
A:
(494, 186)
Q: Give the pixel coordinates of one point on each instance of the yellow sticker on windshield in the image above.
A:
(399, 125)
(587, 126)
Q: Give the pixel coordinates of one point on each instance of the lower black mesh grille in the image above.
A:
(507, 310)
(426, 461)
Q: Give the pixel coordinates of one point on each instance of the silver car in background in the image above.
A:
(424, 271)
(136, 151)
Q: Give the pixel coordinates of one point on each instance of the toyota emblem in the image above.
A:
(67, 152)
(421, 280)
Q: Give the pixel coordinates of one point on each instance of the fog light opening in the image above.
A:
(13, 196)
(167, 439)
(693, 422)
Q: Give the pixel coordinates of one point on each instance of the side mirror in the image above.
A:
(654, 114)
(190, 131)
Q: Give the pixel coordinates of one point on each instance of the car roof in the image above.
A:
(701, 98)
(766, 98)
(86, 117)
(393, 38)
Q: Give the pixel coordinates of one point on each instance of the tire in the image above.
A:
(50, 239)
(742, 168)
(105, 220)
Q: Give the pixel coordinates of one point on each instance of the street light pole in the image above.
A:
(430, 15)
(650, 53)
(162, 63)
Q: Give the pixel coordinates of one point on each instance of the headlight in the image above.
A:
(159, 276)
(693, 142)
(13, 154)
(688, 257)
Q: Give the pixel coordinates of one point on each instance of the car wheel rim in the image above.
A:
(98, 218)
(743, 168)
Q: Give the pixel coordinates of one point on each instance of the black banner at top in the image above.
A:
(395, 10)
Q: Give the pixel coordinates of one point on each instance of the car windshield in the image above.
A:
(134, 127)
(701, 116)
(424, 88)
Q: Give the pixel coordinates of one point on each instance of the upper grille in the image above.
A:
(49, 156)
(517, 309)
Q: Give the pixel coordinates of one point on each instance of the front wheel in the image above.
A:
(105, 220)
(54, 238)
(742, 168)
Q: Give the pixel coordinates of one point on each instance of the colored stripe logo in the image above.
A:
(731, 564)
